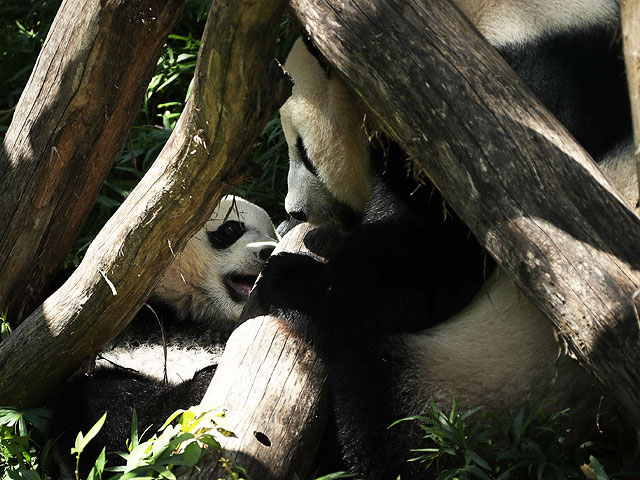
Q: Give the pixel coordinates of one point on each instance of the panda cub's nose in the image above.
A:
(265, 251)
(299, 215)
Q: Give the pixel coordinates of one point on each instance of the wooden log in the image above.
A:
(630, 16)
(237, 88)
(529, 193)
(68, 127)
(272, 384)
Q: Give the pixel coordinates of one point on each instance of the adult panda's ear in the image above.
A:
(311, 48)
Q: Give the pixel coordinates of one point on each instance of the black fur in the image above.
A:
(86, 397)
(580, 78)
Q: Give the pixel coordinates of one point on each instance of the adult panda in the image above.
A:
(166, 357)
(399, 319)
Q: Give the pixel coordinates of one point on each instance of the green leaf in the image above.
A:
(135, 440)
(171, 418)
(336, 475)
(210, 441)
(77, 448)
(597, 468)
(478, 459)
(91, 433)
(40, 418)
(9, 416)
(192, 453)
(98, 467)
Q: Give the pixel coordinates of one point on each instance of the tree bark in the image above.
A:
(630, 16)
(68, 127)
(237, 88)
(529, 193)
(272, 384)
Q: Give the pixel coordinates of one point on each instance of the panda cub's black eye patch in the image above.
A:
(226, 234)
(305, 158)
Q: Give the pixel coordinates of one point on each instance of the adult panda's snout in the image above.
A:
(298, 215)
(263, 249)
(266, 251)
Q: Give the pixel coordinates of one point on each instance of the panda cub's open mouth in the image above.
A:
(239, 285)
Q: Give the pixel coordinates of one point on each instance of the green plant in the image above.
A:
(180, 443)
(529, 445)
(24, 452)
(454, 442)
(81, 443)
(24, 27)
(5, 328)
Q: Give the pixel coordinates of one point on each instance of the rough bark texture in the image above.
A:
(272, 384)
(237, 88)
(630, 15)
(68, 127)
(530, 194)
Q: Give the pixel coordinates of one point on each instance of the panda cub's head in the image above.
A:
(329, 167)
(210, 280)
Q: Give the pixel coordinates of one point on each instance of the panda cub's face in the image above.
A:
(329, 173)
(210, 281)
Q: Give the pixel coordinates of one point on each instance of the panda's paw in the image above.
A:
(289, 281)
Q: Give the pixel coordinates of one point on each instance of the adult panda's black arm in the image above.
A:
(386, 278)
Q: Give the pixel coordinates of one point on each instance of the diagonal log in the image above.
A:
(68, 127)
(527, 190)
(237, 88)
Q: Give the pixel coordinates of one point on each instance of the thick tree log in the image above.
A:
(68, 127)
(630, 16)
(530, 194)
(236, 90)
(272, 384)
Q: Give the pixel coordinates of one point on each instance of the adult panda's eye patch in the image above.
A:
(305, 158)
(226, 234)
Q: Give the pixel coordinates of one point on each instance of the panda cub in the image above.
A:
(405, 312)
(201, 295)
(158, 369)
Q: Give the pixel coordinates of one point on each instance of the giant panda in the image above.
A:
(404, 312)
(166, 357)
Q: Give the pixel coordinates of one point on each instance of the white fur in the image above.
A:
(194, 285)
(504, 22)
(186, 354)
(620, 167)
(310, 112)
(499, 351)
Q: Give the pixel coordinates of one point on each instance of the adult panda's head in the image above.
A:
(210, 280)
(329, 171)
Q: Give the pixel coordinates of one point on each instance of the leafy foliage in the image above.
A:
(530, 445)
(24, 27)
(5, 328)
(24, 451)
(180, 443)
